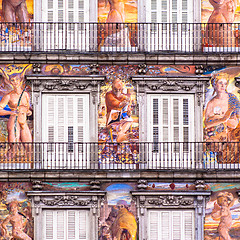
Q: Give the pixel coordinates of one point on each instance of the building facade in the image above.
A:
(119, 120)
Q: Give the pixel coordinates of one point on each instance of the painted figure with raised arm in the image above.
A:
(16, 220)
(221, 212)
(18, 101)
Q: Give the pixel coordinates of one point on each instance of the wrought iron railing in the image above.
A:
(135, 156)
(120, 37)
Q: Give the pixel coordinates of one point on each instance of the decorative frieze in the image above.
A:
(65, 201)
(172, 201)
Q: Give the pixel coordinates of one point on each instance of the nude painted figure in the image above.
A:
(19, 102)
(221, 211)
(14, 10)
(219, 30)
(16, 220)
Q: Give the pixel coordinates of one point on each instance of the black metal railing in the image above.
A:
(106, 156)
(120, 37)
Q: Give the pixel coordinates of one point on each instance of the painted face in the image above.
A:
(13, 208)
(15, 81)
(117, 89)
(221, 85)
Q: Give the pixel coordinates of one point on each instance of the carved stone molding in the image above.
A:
(142, 184)
(95, 185)
(73, 199)
(142, 69)
(65, 83)
(199, 69)
(94, 69)
(36, 68)
(200, 185)
(171, 83)
(172, 201)
(65, 201)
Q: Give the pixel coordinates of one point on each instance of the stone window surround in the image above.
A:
(43, 84)
(66, 200)
(170, 85)
(146, 200)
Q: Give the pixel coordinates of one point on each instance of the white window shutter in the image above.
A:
(171, 224)
(169, 11)
(65, 11)
(153, 225)
(176, 225)
(71, 224)
(48, 224)
(60, 229)
(165, 225)
(188, 219)
(83, 225)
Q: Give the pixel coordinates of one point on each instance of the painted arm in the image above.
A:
(3, 104)
(4, 226)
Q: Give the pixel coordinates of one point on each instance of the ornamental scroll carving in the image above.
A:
(65, 83)
(172, 201)
(65, 201)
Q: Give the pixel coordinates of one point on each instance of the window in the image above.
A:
(70, 32)
(171, 225)
(170, 119)
(66, 129)
(171, 27)
(169, 11)
(65, 11)
(66, 224)
(170, 125)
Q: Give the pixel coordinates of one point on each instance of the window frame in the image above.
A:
(77, 200)
(182, 84)
(42, 84)
(172, 200)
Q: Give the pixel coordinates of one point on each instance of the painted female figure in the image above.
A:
(222, 111)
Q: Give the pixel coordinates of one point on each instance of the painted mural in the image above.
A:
(118, 214)
(16, 220)
(156, 186)
(118, 123)
(65, 186)
(221, 116)
(218, 16)
(15, 112)
(16, 36)
(117, 35)
(222, 220)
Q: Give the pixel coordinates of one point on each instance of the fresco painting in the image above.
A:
(16, 220)
(120, 35)
(219, 16)
(15, 112)
(17, 36)
(118, 122)
(221, 117)
(65, 186)
(118, 214)
(156, 186)
(222, 220)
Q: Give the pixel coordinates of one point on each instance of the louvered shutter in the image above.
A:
(66, 224)
(171, 225)
(67, 118)
(170, 119)
(169, 11)
(65, 11)
(165, 225)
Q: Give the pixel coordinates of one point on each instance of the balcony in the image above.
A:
(121, 156)
(75, 38)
